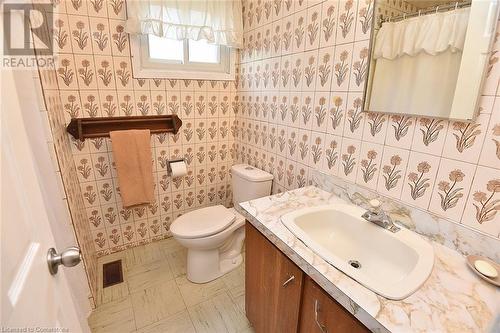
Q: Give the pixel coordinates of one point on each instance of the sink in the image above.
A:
(393, 265)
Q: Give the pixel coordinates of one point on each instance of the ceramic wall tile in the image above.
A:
(369, 165)
(313, 27)
(346, 21)
(62, 34)
(95, 79)
(464, 140)
(482, 204)
(329, 21)
(419, 179)
(392, 170)
(364, 21)
(80, 32)
(490, 155)
(429, 135)
(349, 159)
(279, 93)
(342, 67)
(400, 131)
(452, 186)
(344, 33)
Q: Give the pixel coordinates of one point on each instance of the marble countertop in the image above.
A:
(453, 299)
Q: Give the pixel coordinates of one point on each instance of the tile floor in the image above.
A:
(156, 296)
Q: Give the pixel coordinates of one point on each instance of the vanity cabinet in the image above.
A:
(273, 285)
(279, 297)
(321, 313)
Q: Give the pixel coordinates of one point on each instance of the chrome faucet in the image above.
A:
(376, 215)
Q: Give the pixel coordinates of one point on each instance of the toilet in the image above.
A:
(214, 235)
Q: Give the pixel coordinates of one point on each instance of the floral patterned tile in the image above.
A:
(116, 9)
(299, 38)
(310, 60)
(85, 72)
(313, 27)
(337, 113)
(392, 171)
(317, 149)
(290, 172)
(331, 157)
(464, 140)
(325, 69)
(80, 32)
(349, 159)
(364, 21)
(452, 186)
(66, 72)
(429, 135)
(375, 127)
(90, 103)
(490, 155)
(342, 67)
(286, 37)
(359, 69)
(62, 34)
(329, 23)
(97, 8)
(78, 7)
(123, 73)
(346, 21)
(119, 38)
(370, 159)
(320, 111)
(493, 67)
(419, 179)
(355, 118)
(306, 112)
(400, 131)
(483, 202)
(71, 104)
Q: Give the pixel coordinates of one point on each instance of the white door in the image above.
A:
(32, 298)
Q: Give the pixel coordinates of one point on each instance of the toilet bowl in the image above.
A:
(212, 251)
(214, 235)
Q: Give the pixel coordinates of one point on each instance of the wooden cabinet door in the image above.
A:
(273, 285)
(322, 314)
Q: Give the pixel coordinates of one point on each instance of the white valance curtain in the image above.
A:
(417, 61)
(217, 21)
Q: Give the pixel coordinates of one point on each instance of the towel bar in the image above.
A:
(84, 128)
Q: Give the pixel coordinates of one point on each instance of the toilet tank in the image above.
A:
(250, 183)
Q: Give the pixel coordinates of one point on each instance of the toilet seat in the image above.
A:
(202, 222)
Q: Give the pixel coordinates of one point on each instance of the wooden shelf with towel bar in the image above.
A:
(84, 128)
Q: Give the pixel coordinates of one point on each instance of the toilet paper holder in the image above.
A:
(169, 168)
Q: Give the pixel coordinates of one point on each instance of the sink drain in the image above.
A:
(354, 263)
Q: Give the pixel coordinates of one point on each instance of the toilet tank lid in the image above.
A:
(250, 173)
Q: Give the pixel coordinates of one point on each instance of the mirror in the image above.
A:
(429, 57)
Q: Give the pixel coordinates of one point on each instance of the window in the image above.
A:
(156, 57)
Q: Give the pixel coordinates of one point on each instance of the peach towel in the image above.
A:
(132, 153)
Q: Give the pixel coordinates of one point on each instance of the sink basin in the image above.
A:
(393, 265)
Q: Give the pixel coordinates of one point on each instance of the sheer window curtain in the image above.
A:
(217, 21)
(417, 61)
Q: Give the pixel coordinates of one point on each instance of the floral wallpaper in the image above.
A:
(95, 79)
(301, 82)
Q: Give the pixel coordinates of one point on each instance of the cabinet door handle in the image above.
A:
(290, 279)
(316, 310)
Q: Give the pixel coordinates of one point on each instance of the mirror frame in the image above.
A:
(473, 65)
